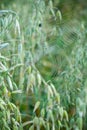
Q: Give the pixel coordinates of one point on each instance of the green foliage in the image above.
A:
(43, 60)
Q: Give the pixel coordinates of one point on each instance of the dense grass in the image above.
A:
(43, 65)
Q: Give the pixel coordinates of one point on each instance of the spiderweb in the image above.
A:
(53, 56)
(61, 38)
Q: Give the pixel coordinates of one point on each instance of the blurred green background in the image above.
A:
(44, 68)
